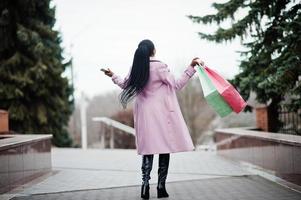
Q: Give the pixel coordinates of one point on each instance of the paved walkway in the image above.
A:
(231, 188)
(115, 174)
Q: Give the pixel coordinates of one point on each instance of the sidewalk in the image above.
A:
(115, 174)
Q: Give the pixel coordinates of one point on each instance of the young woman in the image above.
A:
(159, 124)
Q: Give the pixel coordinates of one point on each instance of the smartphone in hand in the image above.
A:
(107, 72)
(104, 70)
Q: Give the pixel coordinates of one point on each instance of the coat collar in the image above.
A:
(153, 59)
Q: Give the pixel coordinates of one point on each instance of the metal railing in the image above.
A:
(111, 124)
(290, 122)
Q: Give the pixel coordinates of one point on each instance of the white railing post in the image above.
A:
(111, 137)
(102, 135)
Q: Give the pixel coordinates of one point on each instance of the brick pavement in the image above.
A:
(226, 188)
(95, 169)
(115, 174)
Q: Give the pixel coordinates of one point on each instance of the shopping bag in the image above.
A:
(226, 90)
(213, 98)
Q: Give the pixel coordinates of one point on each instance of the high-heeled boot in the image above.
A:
(147, 164)
(162, 175)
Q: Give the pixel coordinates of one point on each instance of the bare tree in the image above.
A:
(196, 112)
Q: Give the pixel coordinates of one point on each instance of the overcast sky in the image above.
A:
(105, 33)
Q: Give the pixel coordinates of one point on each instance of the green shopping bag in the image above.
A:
(213, 98)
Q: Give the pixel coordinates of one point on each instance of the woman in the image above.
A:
(159, 124)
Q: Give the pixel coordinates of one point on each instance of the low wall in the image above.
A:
(23, 158)
(280, 153)
(3, 121)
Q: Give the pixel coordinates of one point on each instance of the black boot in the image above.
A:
(162, 175)
(147, 164)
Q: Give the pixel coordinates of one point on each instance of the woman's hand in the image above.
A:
(107, 72)
(197, 61)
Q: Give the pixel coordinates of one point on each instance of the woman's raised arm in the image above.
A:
(121, 82)
(167, 77)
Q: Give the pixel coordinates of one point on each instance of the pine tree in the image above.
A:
(32, 87)
(271, 33)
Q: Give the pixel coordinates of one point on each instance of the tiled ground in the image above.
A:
(230, 188)
(95, 169)
(115, 174)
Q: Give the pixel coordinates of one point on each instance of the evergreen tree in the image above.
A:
(32, 88)
(271, 31)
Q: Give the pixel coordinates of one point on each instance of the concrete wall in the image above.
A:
(22, 159)
(279, 153)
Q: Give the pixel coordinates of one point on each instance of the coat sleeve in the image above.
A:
(167, 77)
(121, 82)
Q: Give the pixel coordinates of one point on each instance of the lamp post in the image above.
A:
(83, 120)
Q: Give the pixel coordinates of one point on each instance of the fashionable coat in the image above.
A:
(158, 120)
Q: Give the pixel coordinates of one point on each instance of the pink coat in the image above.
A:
(158, 120)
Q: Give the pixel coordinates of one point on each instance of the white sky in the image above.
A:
(105, 33)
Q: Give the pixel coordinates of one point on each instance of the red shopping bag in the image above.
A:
(226, 90)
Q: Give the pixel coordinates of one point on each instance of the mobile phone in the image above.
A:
(104, 70)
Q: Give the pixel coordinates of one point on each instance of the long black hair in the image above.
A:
(139, 73)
